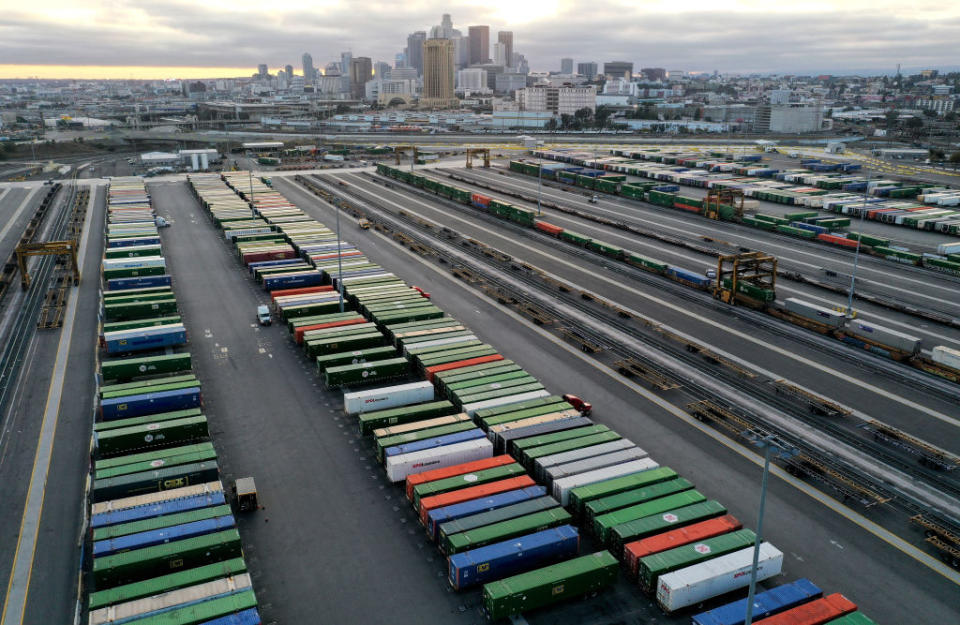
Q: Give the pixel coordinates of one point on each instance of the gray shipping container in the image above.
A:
(562, 487)
(495, 516)
(589, 464)
(503, 441)
(813, 312)
(884, 336)
(547, 462)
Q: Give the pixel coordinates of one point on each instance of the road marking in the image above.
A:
(848, 513)
(719, 326)
(15, 603)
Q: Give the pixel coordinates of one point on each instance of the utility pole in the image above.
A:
(539, 176)
(339, 258)
(856, 254)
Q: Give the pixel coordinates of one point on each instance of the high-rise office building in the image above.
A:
(506, 38)
(308, 73)
(262, 72)
(445, 30)
(288, 69)
(415, 50)
(618, 69)
(566, 66)
(438, 83)
(479, 44)
(381, 69)
(361, 70)
(654, 73)
(500, 54)
(587, 69)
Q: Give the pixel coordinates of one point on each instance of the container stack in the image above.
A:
(163, 535)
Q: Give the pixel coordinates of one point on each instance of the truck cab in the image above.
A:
(263, 315)
(584, 407)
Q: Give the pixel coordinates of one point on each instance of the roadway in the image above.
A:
(828, 547)
(45, 450)
(826, 374)
(929, 289)
(17, 206)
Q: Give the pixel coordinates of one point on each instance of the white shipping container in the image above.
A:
(138, 608)
(561, 488)
(471, 409)
(134, 263)
(884, 336)
(385, 397)
(947, 357)
(693, 584)
(542, 464)
(403, 465)
(494, 432)
(948, 248)
(562, 471)
(239, 232)
(446, 341)
(813, 312)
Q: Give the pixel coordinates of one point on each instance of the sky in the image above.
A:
(223, 38)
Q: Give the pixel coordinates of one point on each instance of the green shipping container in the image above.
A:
(549, 585)
(653, 566)
(518, 415)
(154, 481)
(605, 524)
(160, 522)
(204, 612)
(354, 357)
(532, 403)
(105, 426)
(468, 480)
(365, 372)
(370, 421)
(329, 346)
(657, 523)
(575, 237)
(603, 505)
(162, 458)
(132, 368)
(141, 564)
(139, 310)
(417, 435)
(153, 434)
(166, 583)
(116, 326)
(582, 495)
(505, 530)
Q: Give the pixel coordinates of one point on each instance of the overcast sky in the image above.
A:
(693, 35)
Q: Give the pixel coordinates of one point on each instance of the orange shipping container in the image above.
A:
(459, 469)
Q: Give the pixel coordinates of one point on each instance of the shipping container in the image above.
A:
(504, 530)
(548, 462)
(387, 397)
(490, 517)
(165, 478)
(505, 440)
(574, 439)
(456, 482)
(476, 507)
(549, 585)
(633, 497)
(149, 403)
(441, 473)
(816, 612)
(766, 603)
(635, 550)
(369, 421)
(621, 526)
(131, 368)
(561, 488)
(159, 522)
(599, 461)
(402, 467)
(697, 583)
(473, 492)
(499, 560)
(651, 567)
(161, 536)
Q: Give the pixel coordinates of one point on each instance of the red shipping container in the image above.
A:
(687, 207)
(547, 227)
(703, 530)
(334, 255)
(841, 241)
(299, 291)
(457, 469)
(298, 333)
(277, 254)
(479, 360)
(474, 492)
(813, 613)
(480, 199)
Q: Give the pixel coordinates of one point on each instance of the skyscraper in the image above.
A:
(587, 69)
(262, 72)
(438, 84)
(361, 70)
(345, 83)
(381, 69)
(506, 38)
(500, 54)
(307, 69)
(445, 30)
(479, 44)
(415, 50)
(618, 69)
(566, 66)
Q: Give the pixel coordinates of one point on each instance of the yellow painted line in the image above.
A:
(851, 515)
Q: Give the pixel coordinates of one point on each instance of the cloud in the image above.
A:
(728, 35)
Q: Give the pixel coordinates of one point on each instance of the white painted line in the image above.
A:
(14, 606)
(16, 213)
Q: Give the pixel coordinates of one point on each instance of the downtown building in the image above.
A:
(565, 100)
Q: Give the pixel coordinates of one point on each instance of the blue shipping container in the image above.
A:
(273, 263)
(438, 441)
(150, 403)
(688, 276)
(667, 188)
(159, 537)
(810, 227)
(144, 339)
(438, 516)
(311, 278)
(809, 161)
(510, 557)
(133, 241)
(246, 617)
(764, 604)
(138, 282)
(172, 506)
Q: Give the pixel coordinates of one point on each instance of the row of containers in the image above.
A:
(609, 175)
(507, 478)
(942, 361)
(163, 535)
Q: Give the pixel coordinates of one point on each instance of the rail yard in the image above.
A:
(476, 394)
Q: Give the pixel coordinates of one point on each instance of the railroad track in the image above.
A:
(21, 331)
(812, 462)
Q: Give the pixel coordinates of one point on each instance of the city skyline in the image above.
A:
(169, 39)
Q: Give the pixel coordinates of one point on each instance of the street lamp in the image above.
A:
(856, 254)
(336, 203)
(771, 445)
(251, 186)
(539, 175)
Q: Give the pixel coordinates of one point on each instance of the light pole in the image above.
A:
(771, 445)
(336, 203)
(251, 186)
(856, 254)
(539, 175)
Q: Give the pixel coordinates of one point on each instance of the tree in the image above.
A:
(566, 120)
(936, 154)
(950, 116)
(698, 114)
(551, 124)
(929, 113)
(955, 158)
(914, 123)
